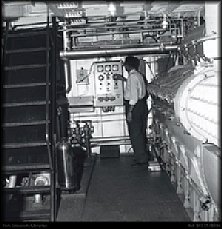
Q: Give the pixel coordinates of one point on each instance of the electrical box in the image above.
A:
(109, 92)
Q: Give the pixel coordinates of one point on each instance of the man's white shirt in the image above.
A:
(135, 87)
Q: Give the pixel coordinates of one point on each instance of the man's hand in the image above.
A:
(129, 113)
(129, 116)
(118, 77)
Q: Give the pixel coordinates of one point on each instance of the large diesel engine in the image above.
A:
(185, 106)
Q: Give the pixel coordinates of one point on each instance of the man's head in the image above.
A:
(131, 62)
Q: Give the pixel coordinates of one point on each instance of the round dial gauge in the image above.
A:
(115, 67)
(99, 68)
(108, 68)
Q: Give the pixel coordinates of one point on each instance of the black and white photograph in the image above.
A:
(110, 112)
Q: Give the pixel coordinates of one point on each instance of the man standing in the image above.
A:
(136, 109)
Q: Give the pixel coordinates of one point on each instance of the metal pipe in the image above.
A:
(104, 139)
(83, 54)
(108, 23)
(67, 75)
(115, 32)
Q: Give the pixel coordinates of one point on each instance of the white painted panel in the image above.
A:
(106, 124)
(211, 17)
(79, 89)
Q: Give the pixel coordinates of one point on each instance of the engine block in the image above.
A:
(185, 128)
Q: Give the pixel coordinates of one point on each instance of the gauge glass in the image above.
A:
(99, 68)
(115, 67)
(108, 68)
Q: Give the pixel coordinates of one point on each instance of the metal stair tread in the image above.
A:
(26, 50)
(33, 123)
(25, 104)
(24, 85)
(23, 145)
(28, 189)
(17, 67)
(26, 34)
(25, 167)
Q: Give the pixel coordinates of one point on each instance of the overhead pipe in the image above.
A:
(116, 32)
(83, 54)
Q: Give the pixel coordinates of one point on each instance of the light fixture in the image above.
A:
(165, 22)
(112, 9)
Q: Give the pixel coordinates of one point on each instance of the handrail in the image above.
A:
(5, 37)
(54, 112)
(49, 134)
(47, 92)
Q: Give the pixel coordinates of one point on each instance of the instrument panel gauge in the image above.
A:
(115, 67)
(108, 68)
(99, 68)
(101, 77)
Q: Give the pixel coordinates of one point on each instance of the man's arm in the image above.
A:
(119, 77)
(129, 113)
(131, 108)
(133, 94)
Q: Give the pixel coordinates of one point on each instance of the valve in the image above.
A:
(205, 202)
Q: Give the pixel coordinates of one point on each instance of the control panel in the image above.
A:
(109, 91)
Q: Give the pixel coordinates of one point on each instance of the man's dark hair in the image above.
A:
(132, 61)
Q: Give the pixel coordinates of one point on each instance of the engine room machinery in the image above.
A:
(184, 109)
(186, 134)
(184, 129)
(98, 102)
(179, 57)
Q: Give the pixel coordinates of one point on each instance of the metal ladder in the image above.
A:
(28, 126)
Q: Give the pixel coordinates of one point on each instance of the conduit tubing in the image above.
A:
(83, 54)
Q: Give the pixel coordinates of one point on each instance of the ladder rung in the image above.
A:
(24, 104)
(25, 123)
(26, 50)
(23, 145)
(26, 34)
(28, 190)
(24, 85)
(18, 67)
(23, 168)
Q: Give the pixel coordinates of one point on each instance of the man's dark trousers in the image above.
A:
(137, 130)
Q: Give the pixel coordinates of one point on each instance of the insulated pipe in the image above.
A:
(83, 54)
(67, 75)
